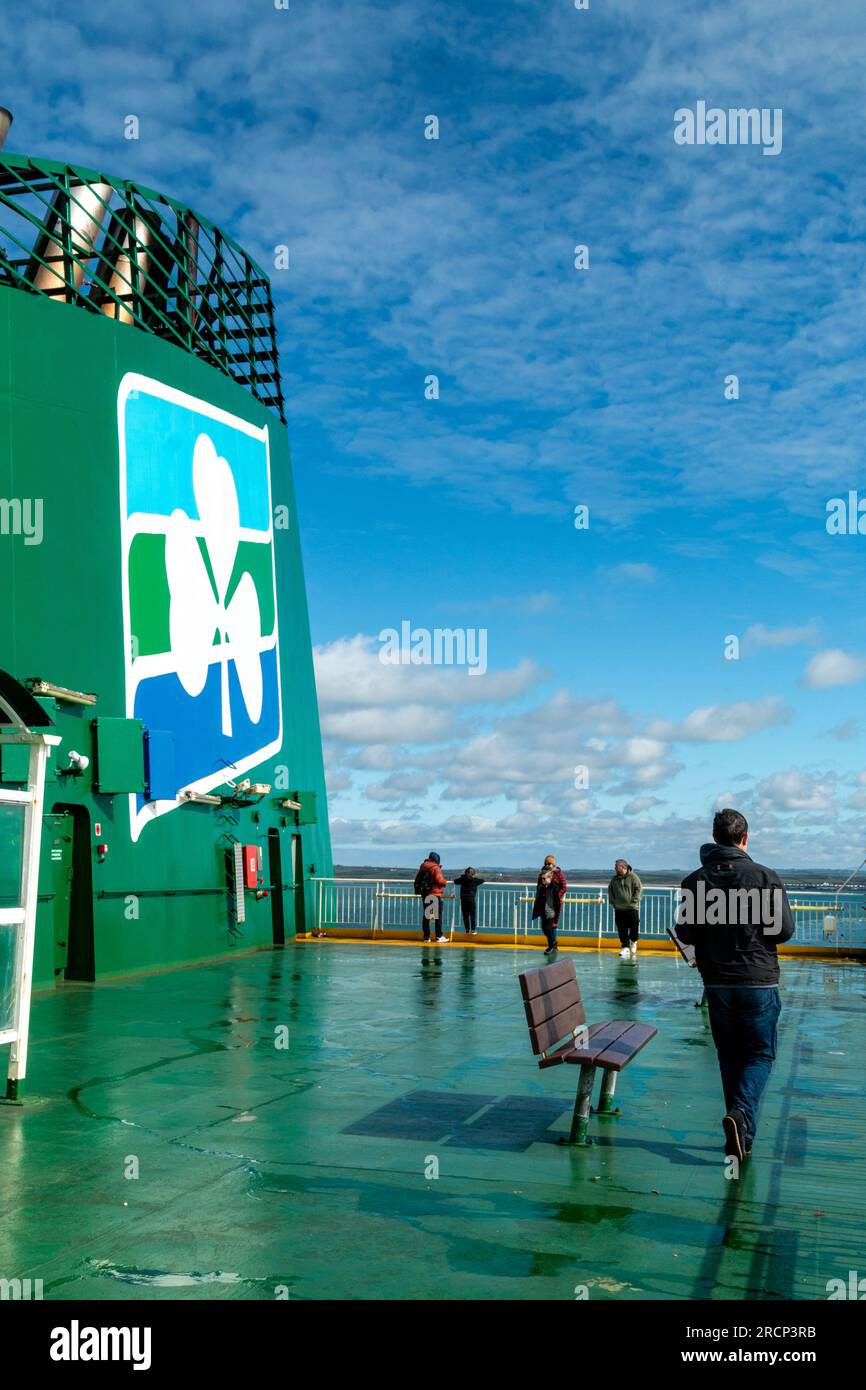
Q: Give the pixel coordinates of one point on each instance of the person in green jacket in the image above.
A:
(623, 894)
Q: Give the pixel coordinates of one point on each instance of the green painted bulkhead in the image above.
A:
(164, 898)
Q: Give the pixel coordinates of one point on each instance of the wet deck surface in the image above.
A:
(266, 1171)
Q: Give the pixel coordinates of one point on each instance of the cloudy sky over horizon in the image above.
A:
(558, 388)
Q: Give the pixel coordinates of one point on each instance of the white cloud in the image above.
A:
(634, 752)
(724, 723)
(374, 757)
(640, 805)
(795, 791)
(834, 667)
(349, 675)
(409, 724)
(364, 701)
(640, 573)
(398, 787)
(643, 778)
(540, 603)
(758, 637)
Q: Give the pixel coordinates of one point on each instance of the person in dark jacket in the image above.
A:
(430, 884)
(468, 882)
(623, 894)
(549, 894)
(735, 913)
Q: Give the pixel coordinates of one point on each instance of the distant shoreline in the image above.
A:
(827, 879)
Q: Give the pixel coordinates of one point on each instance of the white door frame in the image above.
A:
(24, 915)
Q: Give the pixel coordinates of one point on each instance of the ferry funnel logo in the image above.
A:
(199, 595)
(198, 590)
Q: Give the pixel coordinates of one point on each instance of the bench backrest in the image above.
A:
(551, 1000)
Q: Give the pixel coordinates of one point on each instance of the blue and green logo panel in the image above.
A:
(199, 592)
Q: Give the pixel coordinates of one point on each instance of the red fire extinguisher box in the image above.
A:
(252, 865)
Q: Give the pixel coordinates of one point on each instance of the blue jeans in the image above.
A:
(744, 1021)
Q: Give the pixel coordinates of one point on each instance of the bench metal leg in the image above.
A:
(605, 1099)
(582, 1106)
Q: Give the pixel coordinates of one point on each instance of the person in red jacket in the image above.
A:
(549, 894)
(430, 885)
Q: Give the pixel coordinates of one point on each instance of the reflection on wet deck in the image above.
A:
(307, 1170)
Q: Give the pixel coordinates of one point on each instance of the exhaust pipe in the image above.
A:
(6, 119)
(84, 210)
(131, 266)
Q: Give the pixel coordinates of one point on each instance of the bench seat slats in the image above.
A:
(609, 1052)
(564, 1054)
(602, 1037)
(620, 1052)
(545, 1006)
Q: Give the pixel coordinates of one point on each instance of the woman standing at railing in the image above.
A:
(623, 892)
(549, 894)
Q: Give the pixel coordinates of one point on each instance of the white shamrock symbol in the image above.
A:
(199, 616)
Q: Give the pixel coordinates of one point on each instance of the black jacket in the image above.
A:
(734, 952)
(468, 885)
(559, 886)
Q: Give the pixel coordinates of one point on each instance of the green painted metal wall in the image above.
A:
(61, 620)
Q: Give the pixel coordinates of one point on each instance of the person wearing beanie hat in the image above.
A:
(430, 884)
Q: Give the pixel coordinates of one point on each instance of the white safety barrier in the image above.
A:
(378, 906)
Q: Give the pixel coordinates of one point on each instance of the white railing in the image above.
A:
(379, 906)
(19, 921)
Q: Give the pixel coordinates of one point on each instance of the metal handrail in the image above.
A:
(121, 249)
(599, 888)
(503, 908)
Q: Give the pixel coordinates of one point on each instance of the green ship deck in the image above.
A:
(299, 1172)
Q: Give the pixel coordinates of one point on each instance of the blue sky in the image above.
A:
(558, 387)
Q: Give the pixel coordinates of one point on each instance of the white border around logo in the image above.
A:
(132, 382)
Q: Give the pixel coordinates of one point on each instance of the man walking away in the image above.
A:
(430, 885)
(623, 894)
(735, 913)
(469, 883)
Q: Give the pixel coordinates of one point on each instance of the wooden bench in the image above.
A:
(558, 1030)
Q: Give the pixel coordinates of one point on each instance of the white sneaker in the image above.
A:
(624, 953)
(633, 948)
(440, 939)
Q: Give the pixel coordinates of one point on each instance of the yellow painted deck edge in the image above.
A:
(522, 943)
